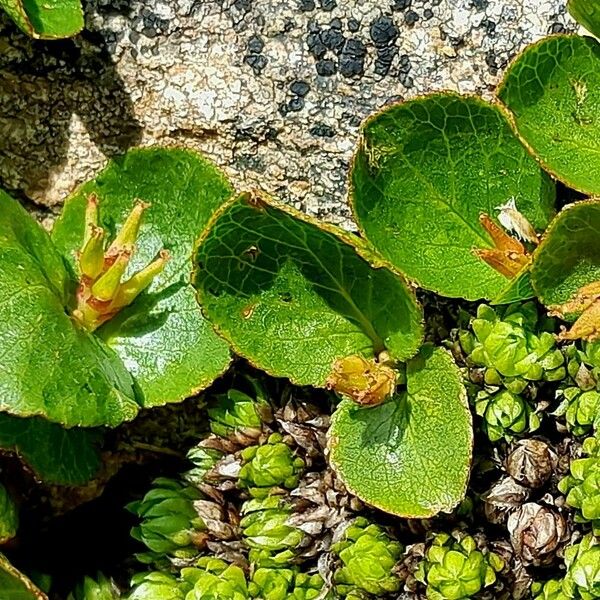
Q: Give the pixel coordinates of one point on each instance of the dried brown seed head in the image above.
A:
(531, 462)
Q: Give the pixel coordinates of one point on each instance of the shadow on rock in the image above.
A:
(42, 85)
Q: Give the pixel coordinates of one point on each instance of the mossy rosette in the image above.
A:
(424, 173)
(46, 19)
(552, 90)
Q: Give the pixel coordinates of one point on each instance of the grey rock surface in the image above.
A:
(273, 90)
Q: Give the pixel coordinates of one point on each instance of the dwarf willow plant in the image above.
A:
(453, 194)
(450, 193)
(308, 302)
(46, 19)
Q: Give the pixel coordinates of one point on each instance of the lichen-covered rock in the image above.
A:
(274, 91)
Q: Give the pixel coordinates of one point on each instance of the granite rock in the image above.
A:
(273, 90)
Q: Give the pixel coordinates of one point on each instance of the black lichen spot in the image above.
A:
(307, 5)
(299, 88)
(427, 14)
(558, 28)
(315, 46)
(328, 5)
(153, 21)
(384, 59)
(257, 61)
(326, 68)
(411, 17)
(332, 39)
(406, 80)
(383, 31)
(489, 26)
(401, 4)
(243, 5)
(491, 60)
(255, 45)
(322, 130)
(479, 4)
(149, 32)
(352, 58)
(336, 23)
(353, 25)
(352, 119)
(405, 65)
(295, 104)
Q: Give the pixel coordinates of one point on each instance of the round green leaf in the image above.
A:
(50, 367)
(162, 338)
(411, 455)
(586, 12)
(9, 516)
(553, 91)
(293, 296)
(424, 172)
(15, 586)
(56, 455)
(569, 256)
(46, 19)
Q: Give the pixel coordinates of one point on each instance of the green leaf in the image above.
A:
(586, 12)
(424, 172)
(50, 366)
(569, 256)
(553, 91)
(293, 296)
(411, 455)
(56, 455)
(162, 338)
(46, 19)
(9, 516)
(516, 289)
(15, 586)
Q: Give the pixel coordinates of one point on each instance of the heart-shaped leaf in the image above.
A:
(46, 19)
(56, 455)
(15, 586)
(424, 173)
(162, 338)
(50, 367)
(9, 516)
(586, 12)
(294, 296)
(553, 91)
(411, 455)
